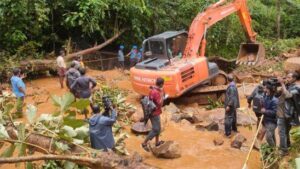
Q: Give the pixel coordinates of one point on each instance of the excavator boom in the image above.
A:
(213, 14)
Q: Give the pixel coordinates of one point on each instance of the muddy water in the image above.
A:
(198, 150)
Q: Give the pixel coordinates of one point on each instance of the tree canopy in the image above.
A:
(30, 28)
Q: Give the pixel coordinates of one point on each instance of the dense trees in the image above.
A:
(30, 28)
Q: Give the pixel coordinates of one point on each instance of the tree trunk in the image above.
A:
(107, 160)
(278, 4)
(94, 49)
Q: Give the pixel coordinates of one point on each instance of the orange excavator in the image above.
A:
(175, 55)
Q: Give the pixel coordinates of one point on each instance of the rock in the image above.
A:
(197, 118)
(213, 126)
(292, 64)
(176, 117)
(140, 128)
(218, 141)
(185, 122)
(187, 117)
(168, 150)
(136, 157)
(172, 108)
(238, 141)
(127, 72)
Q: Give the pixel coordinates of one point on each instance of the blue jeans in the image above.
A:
(270, 133)
(284, 126)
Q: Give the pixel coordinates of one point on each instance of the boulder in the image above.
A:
(137, 116)
(238, 141)
(176, 117)
(218, 141)
(141, 128)
(171, 108)
(197, 118)
(185, 122)
(168, 150)
(188, 117)
(292, 64)
(213, 126)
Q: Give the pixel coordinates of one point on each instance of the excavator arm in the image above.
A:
(213, 14)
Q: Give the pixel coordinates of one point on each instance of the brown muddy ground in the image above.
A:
(198, 150)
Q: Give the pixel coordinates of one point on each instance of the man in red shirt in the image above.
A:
(157, 96)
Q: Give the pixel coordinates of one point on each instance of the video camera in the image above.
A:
(106, 102)
(274, 82)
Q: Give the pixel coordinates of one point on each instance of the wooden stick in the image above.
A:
(253, 142)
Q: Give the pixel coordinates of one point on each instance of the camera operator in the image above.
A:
(101, 134)
(287, 110)
(269, 110)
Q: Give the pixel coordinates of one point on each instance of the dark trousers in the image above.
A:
(121, 64)
(230, 122)
(156, 127)
(284, 126)
(258, 116)
(270, 133)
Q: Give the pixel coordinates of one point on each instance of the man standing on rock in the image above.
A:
(157, 96)
(61, 67)
(231, 104)
(18, 88)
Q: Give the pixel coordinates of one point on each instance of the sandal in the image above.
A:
(145, 147)
(159, 143)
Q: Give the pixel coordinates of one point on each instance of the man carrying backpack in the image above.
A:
(157, 96)
(257, 98)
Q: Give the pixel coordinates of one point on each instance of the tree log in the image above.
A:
(103, 160)
(98, 47)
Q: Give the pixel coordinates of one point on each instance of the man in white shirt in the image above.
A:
(61, 67)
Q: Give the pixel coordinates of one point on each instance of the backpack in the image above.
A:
(148, 108)
(258, 100)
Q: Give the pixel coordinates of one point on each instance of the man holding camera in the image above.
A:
(101, 134)
(287, 110)
(231, 104)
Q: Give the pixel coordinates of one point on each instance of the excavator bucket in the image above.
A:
(250, 54)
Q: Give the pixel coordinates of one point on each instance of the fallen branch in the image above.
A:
(98, 47)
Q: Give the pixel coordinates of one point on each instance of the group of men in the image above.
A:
(275, 102)
(135, 56)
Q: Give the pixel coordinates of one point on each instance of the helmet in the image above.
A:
(134, 47)
(141, 50)
(121, 46)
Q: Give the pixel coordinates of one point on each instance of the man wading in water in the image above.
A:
(157, 96)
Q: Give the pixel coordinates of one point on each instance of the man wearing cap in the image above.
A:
(121, 58)
(133, 55)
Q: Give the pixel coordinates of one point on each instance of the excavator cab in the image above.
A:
(161, 49)
(250, 54)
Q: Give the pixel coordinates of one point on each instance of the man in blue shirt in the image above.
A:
(101, 134)
(133, 55)
(121, 58)
(269, 110)
(18, 88)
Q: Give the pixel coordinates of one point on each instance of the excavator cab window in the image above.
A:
(154, 48)
(176, 45)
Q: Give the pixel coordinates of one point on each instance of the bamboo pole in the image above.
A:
(253, 142)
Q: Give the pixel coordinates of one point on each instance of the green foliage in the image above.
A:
(269, 156)
(31, 113)
(9, 151)
(212, 104)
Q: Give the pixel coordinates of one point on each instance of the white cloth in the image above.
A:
(60, 62)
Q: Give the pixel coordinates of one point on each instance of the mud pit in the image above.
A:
(198, 149)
